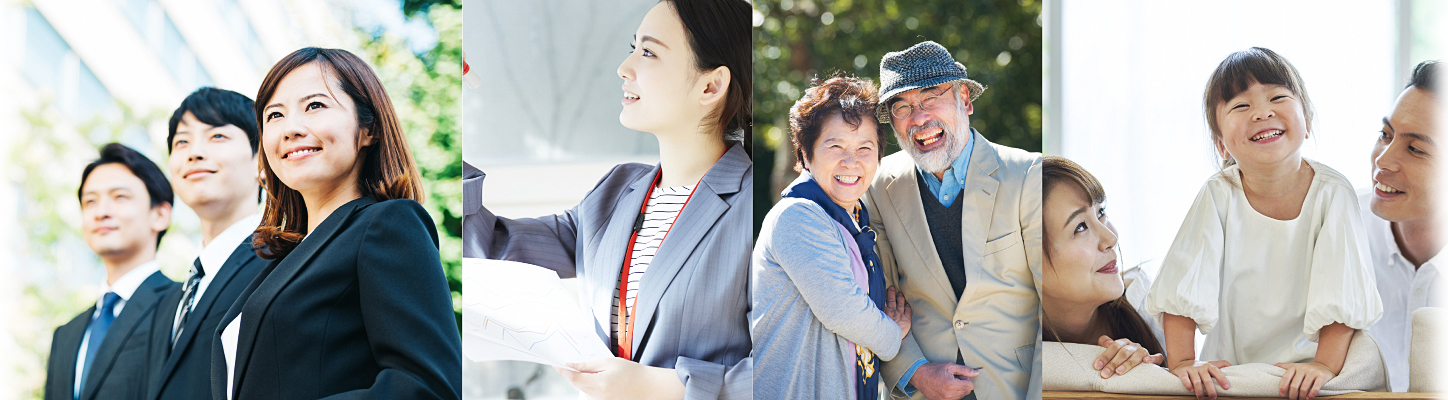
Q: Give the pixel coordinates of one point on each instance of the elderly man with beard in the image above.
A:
(959, 225)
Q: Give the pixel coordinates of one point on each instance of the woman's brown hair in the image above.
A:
(852, 98)
(1119, 315)
(388, 171)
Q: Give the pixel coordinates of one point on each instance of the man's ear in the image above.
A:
(964, 97)
(716, 86)
(160, 217)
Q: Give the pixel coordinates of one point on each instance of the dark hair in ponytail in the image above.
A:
(718, 31)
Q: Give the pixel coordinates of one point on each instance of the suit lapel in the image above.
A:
(243, 254)
(141, 303)
(706, 205)
(161, 325)
(218, 370)
(607, 264)
(904, 193)
(287, 268)
(977, 210)
(68, 349)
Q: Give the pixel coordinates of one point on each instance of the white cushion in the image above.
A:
(1067, 367)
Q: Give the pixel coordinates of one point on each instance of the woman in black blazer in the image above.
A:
(355, 304)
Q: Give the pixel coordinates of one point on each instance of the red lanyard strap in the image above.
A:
(626, 313)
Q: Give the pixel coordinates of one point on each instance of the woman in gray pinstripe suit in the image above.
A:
(661, 251)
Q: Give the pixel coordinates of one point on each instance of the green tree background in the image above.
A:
(998, 41)
(45, 166)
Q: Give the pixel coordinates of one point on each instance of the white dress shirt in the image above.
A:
(1260, 288)
(229, 337)
(213, 258)
(125, 286)
(1403, 289)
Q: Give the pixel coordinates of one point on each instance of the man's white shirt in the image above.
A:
(214, 255)
(1403, 289)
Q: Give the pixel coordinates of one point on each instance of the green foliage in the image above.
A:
(998, 41)
(412, 7)
(426, 91)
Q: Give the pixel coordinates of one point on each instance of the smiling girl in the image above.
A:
(1268, 228)
(661, 252)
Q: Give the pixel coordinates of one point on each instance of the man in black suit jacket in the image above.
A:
(125, 209)
(212, 143)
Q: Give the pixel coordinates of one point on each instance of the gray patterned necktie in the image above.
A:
(187, 297)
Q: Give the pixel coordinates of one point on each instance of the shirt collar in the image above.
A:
(213, 255)
(1433, 262)
(127, 284)
(1384, 229)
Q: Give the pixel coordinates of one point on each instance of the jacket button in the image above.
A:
(960, 324)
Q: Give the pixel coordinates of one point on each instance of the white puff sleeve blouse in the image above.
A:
(1260, 289)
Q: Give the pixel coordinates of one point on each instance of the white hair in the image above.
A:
(955, 137)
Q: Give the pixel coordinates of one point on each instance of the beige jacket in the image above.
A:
(995, 324)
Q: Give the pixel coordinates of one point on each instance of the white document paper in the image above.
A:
(517, 311)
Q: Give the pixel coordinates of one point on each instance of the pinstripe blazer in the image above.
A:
(995, 324)
(693, 301)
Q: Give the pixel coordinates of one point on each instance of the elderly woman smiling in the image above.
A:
(822, 318)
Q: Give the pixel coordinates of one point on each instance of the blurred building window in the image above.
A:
(241, 30)
(52, 67)
(162, 37)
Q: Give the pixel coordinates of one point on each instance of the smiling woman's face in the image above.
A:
(845, 158)
(310, 133)
(1080, 266)
(660, 75)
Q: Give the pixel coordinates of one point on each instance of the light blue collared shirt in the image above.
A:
(954, 178)
(942, 190)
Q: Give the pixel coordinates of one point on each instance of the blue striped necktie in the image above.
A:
(98, 327)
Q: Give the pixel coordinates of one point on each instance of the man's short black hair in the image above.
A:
(157, 187)
(218, 107)
(1425, 76)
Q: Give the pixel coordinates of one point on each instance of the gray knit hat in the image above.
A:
(925, 64)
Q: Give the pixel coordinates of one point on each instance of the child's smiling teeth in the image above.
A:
(847, 179)
(1267, 135)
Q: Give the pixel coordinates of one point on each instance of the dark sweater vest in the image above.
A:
(945, 231)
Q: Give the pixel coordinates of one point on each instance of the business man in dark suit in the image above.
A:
(213, 142)
(125, 205)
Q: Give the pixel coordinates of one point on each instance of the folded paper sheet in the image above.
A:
(517, 311)
(1068, 367)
